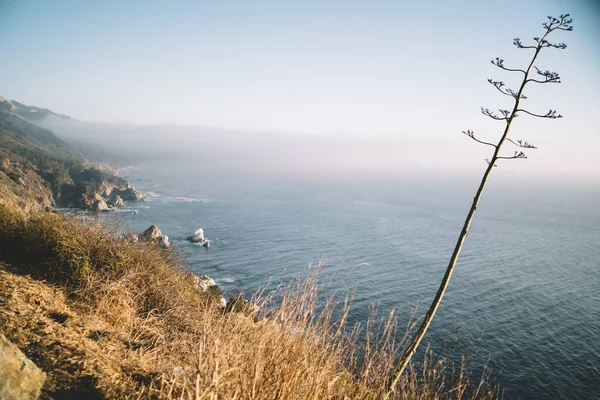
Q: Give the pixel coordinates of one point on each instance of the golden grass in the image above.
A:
(22, 187)
(139, 329)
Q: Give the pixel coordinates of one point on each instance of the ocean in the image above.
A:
(525, 293)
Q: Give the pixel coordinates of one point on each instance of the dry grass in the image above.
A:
(137, 328)
(21, 186)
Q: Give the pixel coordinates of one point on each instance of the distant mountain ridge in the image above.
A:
(29, 112)
(18, 133)
(57, 125)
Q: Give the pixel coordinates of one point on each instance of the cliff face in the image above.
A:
(22, 187)
(40, 170)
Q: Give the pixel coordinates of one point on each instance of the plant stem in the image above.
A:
(412, 348)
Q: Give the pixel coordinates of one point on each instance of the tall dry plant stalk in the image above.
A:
(563, 23)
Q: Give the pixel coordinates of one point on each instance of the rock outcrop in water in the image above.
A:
(102, 196)
(93, 202)
(130, 194)
(100, 205)
(20, 378)
(153, 234)
(198, 237)
(115, 201)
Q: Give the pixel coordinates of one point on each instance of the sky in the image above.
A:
(405, 71)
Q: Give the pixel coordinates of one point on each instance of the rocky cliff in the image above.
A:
(40, 170)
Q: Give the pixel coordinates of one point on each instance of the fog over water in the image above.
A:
(217, 152)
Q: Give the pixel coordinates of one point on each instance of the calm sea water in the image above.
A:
(526, 290)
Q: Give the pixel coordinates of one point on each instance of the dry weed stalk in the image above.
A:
(563, 23)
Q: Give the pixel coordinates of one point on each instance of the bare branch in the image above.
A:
(471, 134)
(491, 114)
(506, 91)
(550, 114)
(499, 84)
(518, 154)
(498, 62)
(521, 143)
(506, 113)
(546, 43)
(542, 42)
(515, 94)
(549, 76)
(563, 23)
(517, 42)
(487, 160)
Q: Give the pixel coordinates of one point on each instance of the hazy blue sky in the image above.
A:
(410, 71)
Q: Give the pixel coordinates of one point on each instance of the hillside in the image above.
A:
(39, 170)
(27, 136)
(31, 160)
(28, 112)
(92, 150)
(106, 314)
